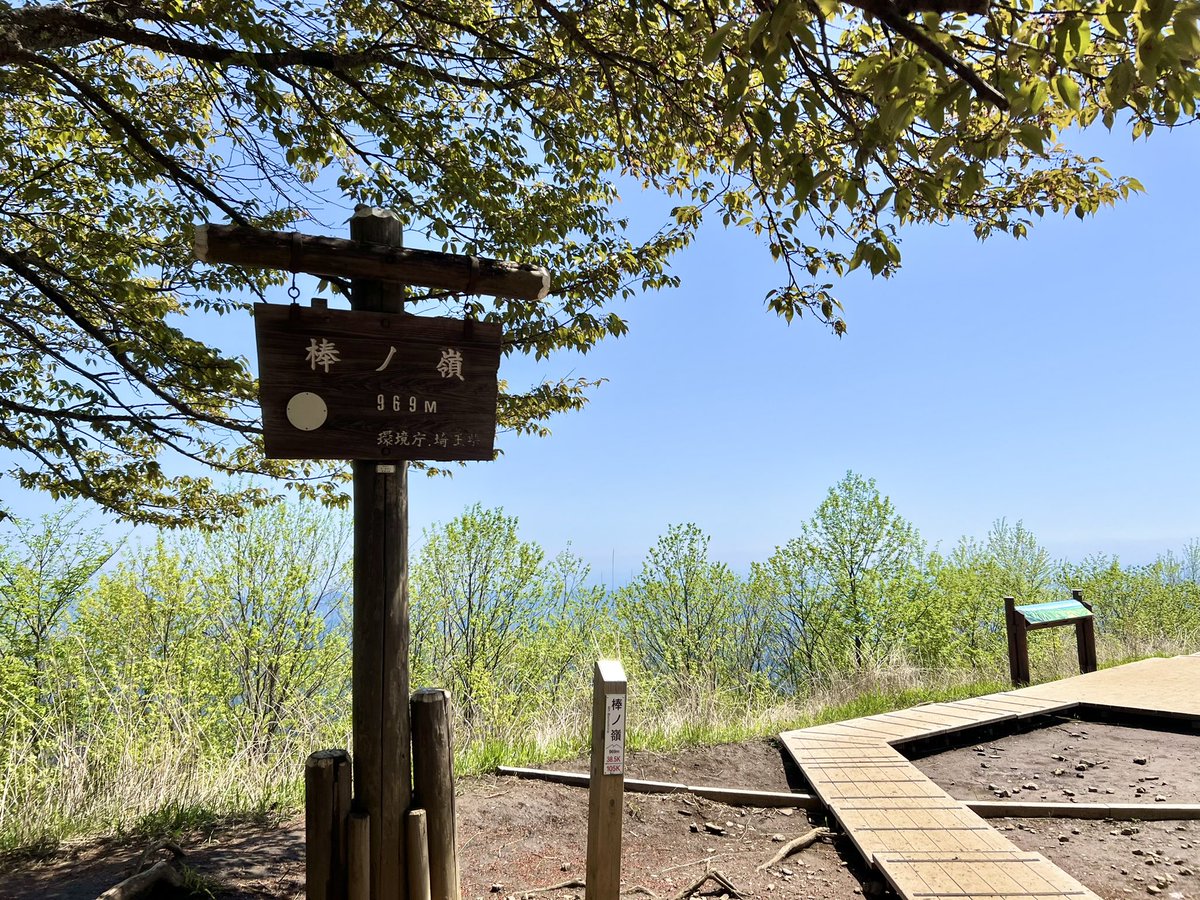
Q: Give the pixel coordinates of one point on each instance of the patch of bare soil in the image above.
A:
(242, 861)
(516, 835)
(1072, 761)
(519, 835)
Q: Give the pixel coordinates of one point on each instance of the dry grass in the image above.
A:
(133, 773)
(138, 775)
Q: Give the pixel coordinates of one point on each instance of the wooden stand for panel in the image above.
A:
(1018, 627)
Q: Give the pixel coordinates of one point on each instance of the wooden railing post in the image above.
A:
(606, 789)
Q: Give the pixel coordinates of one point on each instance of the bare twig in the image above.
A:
(571, 883)
(714, 875)
(792, 846)
(694, 862)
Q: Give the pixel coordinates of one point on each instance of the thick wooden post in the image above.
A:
(1018, 643)
(433, 787)
(606, 793)
(382, 751)
(326, 805)
(1085, 637)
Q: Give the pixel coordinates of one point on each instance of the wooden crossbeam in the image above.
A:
(338, 258)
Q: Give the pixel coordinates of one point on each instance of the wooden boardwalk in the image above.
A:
(929, 845)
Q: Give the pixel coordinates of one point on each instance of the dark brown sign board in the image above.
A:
(341, 384)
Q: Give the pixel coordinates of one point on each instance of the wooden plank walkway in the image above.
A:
(929, 845)
(1161, 686)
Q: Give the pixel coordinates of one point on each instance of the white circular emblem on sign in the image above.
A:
(307, 411)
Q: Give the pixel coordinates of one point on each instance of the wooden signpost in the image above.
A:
(380, 387)
(606, 787)
(379, 662)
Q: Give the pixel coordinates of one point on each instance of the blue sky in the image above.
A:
(1051, 380)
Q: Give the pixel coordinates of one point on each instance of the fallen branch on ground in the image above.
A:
(571, 883)
(792, 846)
(143, 883)
(728, 796)
(714, 875)
(694, 862)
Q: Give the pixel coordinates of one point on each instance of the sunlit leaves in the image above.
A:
(502, 129)
(494, 619)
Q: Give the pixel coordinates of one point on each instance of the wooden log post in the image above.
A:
(433, 788)
(418, 856)
(326, 805)
(358, 856)
(1085, 637)
(606, 787)
(382, 749)
(1010, 632)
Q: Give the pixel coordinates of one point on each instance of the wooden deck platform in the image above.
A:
(929, 845)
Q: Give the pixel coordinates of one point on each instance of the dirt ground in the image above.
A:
(518, 835)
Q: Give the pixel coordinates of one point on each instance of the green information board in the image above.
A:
(1058, 611)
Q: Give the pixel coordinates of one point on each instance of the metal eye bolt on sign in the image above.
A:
(378, 386)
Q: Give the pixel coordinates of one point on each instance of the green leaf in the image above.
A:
(716, 41)
(1118, 83)
(1038, 96)
(764, 122)
(1032, 137)
(1113, 19)
(742, 155)
(1068, 90)
(1081, 36)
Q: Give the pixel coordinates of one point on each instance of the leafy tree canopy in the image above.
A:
(498, 128)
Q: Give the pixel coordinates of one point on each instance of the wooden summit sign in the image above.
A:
(341, 384)
(380, 388)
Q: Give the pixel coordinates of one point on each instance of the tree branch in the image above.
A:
(60, 300)
(39, 29)
(893, 16)
(171, 167)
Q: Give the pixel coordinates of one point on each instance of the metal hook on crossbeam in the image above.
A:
(294, 266)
